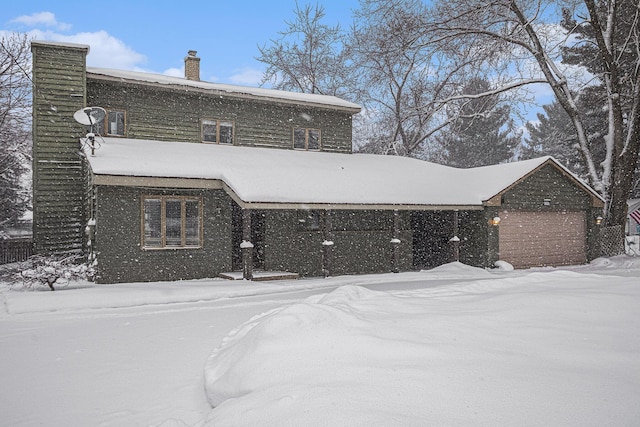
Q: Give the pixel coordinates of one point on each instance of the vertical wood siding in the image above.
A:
(58, 182)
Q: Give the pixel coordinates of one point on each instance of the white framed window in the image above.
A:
(216, 131)
(170, 222)
(306, 139)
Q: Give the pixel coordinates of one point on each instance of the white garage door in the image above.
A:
(535, 239)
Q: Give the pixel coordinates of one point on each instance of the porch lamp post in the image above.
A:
(246, 246)
(455, 240)
(327, 243)
(395, 243)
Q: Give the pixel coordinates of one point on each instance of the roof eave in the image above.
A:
(218, 92)
(208, 184)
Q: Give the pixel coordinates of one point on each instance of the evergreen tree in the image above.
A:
(554, 135)
(484, 133)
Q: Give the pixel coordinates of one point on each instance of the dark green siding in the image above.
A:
(118, 227)
(362, 243)
(154, 112)
(58, 175)
(546, 183)
(474, 237)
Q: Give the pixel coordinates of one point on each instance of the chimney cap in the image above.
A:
(192, 52)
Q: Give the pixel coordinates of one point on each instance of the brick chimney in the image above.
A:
(192, 66)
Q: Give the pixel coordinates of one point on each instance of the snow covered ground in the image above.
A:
(452, 346)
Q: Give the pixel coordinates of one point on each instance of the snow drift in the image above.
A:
(552, 348)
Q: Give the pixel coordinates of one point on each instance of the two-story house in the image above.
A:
(191, 179)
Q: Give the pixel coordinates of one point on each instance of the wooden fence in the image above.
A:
(15, 250)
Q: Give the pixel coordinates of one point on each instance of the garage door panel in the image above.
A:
(529, 239)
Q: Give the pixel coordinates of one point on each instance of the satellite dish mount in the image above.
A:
(90, 116)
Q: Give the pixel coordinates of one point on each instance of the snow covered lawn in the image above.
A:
(452, 346)
(547, 348)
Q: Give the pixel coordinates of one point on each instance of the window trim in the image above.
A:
(105, 122)
(217, 121)
(306, 139)
(163, 223)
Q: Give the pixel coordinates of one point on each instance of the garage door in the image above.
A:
(534, 239)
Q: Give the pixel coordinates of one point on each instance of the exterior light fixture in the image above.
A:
(599, 220)
(495, 221)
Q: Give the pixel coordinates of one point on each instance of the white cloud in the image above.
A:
(174, 72)
(247, 76)
(47, 19)
(105, 50)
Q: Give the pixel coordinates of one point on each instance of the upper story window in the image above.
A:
(306, 139)
(217, 131)
(171, 222)
(114, 123)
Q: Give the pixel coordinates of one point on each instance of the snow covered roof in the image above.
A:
(245, 92)
(266, 178)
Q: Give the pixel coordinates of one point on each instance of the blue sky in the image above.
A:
(155, 36)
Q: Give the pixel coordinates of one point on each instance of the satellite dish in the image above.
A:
(89, 116)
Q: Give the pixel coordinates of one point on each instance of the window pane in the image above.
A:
(116, 123)
(192, 231)
(314, 139)
(226, 133)
(152, 223)
(299, 138)
(99, 128)
(173, 221)
(209, 131)
(120, 121)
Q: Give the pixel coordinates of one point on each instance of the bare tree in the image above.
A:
(393, 67)
(412, 77)
(308, 55)
(524, 31)
(15, 125)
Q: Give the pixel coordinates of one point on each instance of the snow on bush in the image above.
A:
(52, 271)
(556, 348)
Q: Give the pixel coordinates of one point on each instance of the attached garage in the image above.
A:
(547, 217)
(536, 239)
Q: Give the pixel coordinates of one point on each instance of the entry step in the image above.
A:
(260, 276)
